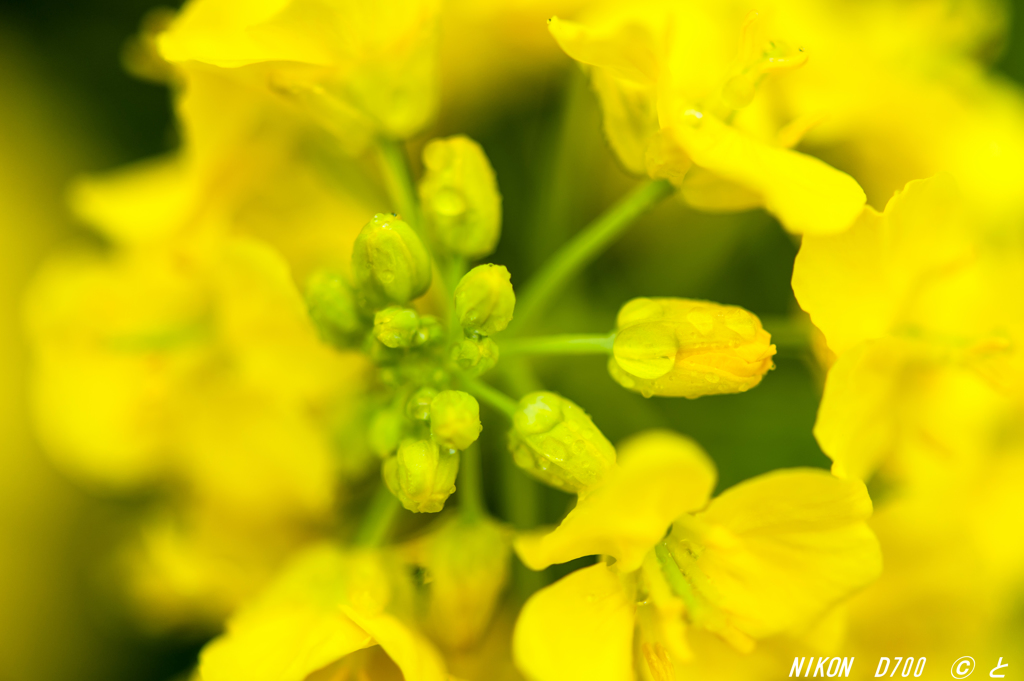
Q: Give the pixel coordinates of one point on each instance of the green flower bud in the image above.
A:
(475, 355)
(418, 407)
(387, 428)
(455, 419)
(395, 326)
(389, 262)
(484, 300)
(554, 440)
(688, 348)
(422, 475)
(461, 203)
(332, 307)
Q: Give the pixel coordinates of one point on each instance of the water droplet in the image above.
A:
(647, 392)
(713, 378)
(579, 446)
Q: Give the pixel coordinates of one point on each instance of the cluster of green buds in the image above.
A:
(418, 422)
(422, 416)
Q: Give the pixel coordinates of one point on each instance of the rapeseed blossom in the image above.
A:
(918, 309)
(307, 341)
(747, 565)
(361, 70)
(697, 126)
(914, 403)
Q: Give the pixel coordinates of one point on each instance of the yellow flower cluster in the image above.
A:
(283, 341)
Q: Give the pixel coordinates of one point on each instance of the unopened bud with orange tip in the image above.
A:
(676, 347)
(554, 440)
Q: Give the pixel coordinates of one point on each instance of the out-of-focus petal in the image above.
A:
(857, 285)
(782, 548)
(661, 476)
(581, 627)
(293, 629)
(808, 196)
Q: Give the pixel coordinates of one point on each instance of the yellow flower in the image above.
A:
(680, 102)
(983, 509)
(363, 69)
(244, 168)
(920, 311)
(198, 371)
(905, 91)
(326, 605)
(688, 348)
(765, 557)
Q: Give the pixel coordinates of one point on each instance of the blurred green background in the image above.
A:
(67, 106)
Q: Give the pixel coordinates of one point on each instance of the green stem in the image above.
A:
(471, 494)
(564, 344)
(378, 519)
(491, 396)
(394, 165)
(455, 267)
(788, 333)
(567, 262)
(521, 503)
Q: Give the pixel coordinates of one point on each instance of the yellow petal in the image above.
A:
(857, 285)
(624, 76)
(581, 627)
(293, 629)
(264, 321)
(143, 201)
(662, 476)
(858, 420)
(786, 546)
(413, 653)
(808, 196)
(112, 338)
(625, 49)
(219, 32)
